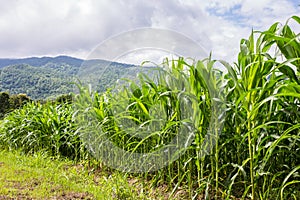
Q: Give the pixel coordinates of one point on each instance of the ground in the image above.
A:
(42, 177)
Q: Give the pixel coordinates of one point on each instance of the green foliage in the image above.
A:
(47, 78)
(4, 103)
(262, 121)
(257, 152)
(37, 82)
(11, 102)
(46, 127)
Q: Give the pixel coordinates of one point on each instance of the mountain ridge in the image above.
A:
(49, 77)
(38, 61)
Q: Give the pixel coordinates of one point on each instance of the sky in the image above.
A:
(81, 27)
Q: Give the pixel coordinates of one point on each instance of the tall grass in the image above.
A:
(42, 127)
(261, 112)
(257, 153)
(251, 151)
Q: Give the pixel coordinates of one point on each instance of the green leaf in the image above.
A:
(289, 72)
(296, 18)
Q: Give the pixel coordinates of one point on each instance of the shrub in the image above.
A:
(11, 102)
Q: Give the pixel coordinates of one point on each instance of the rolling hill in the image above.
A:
(49, 77)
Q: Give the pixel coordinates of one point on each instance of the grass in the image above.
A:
(40, 177)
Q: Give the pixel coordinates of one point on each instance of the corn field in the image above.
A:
(256, 138)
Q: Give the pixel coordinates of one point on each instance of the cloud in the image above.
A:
(36, 28)
(40, 27)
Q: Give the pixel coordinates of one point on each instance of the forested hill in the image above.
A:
(35, 61)
(49, 77)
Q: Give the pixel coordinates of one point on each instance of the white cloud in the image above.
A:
(55, 27)
(40, 27)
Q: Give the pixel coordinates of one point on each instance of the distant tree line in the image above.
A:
(9, 102)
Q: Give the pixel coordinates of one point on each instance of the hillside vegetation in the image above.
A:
(46, 78)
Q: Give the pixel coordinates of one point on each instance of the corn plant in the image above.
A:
(42, 127)
(261, 110)
(247, 148)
